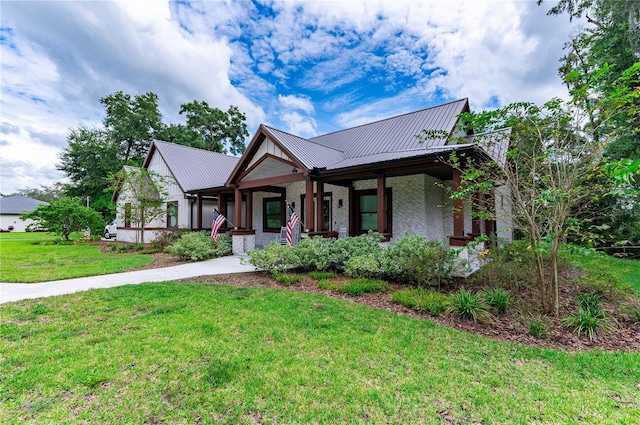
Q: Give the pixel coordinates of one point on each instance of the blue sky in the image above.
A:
(307, 67)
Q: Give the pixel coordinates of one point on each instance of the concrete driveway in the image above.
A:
(22, 291)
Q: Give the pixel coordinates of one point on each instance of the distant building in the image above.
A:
(12, 207)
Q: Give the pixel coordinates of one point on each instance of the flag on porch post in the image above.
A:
(218, 221)
(292, 222)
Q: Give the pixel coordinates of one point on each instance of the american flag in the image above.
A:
(218, 221)
(291, 224)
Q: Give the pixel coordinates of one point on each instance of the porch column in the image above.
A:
(199, 207)
(308, 199)
(238, 209)
(249, 211)
(319, 205)
(458, 238)
(222, 206)
(381, 202)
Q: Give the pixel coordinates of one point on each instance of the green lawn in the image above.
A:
(32, 257)
(625, 270)
(183, 354)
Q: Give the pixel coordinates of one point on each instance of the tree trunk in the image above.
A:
(555, 245)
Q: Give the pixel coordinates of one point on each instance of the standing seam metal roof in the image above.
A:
(196, 168)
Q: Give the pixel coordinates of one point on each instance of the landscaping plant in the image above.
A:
(198, 246)
(468, 305)
(421, 299)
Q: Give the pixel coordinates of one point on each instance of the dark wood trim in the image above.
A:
(319, 206)
(270, 181)
(303, 198)
(260, 161)
(249, 209)
(168, 216)
(381, 204)
(199, 208)
(309, 207)
(458, 205)
(242, 232)
(238, 208)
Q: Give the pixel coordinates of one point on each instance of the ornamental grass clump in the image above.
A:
(499, 299)
(356, 287)
(287, 279)
(317, 275)
(468, 305)
(420, 299)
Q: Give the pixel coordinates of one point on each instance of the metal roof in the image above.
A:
(311, 154)
(396, 134)
(18, 204)
(194, 168)
(494, 143)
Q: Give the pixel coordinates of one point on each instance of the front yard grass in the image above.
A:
(186, 353)
(33, 257)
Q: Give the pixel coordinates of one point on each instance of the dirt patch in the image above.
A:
(160, 259)
(512, 327)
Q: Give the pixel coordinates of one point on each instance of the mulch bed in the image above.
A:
(509, 327)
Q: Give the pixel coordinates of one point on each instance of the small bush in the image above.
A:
(313, 253)
(287, 279)
(341, 250)
(421, 300)
(321, 275)
(274, 258)
(414, 259)
(585, 321)
(198, 246)
(468, 305)
(499, 299)
(365, 266)
(358, 287)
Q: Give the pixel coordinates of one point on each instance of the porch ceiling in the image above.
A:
(268, 167)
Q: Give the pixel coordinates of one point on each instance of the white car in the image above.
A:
(110, 230)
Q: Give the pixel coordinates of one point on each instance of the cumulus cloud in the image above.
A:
(305, 67)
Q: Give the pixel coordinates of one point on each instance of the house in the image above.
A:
(378, 176)
(12, 207)
(188, 172)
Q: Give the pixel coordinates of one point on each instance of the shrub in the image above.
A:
(357, 287)
(414, 259)
(585, 321)
(421, 300)
(287, 279)
(468, 305)
(198, 246)
(313, 253)
(341, 250)
(498, 298)
(167, 237)
(317, 275)
(274, 258)
(365, 266)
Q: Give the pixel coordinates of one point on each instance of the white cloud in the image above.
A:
(299, 124)
(296, 102)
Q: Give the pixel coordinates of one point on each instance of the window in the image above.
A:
(172, 214)
(272, 214)
(366, 211)
(127, 214)
(326, 211)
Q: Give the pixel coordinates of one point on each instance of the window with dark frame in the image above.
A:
(366, 210)
(172, 214)
(273, 214)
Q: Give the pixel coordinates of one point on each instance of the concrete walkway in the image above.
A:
(22, 291)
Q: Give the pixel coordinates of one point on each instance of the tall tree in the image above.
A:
(218, 130)
(89, 158)
(132, 123)
(597, 56)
